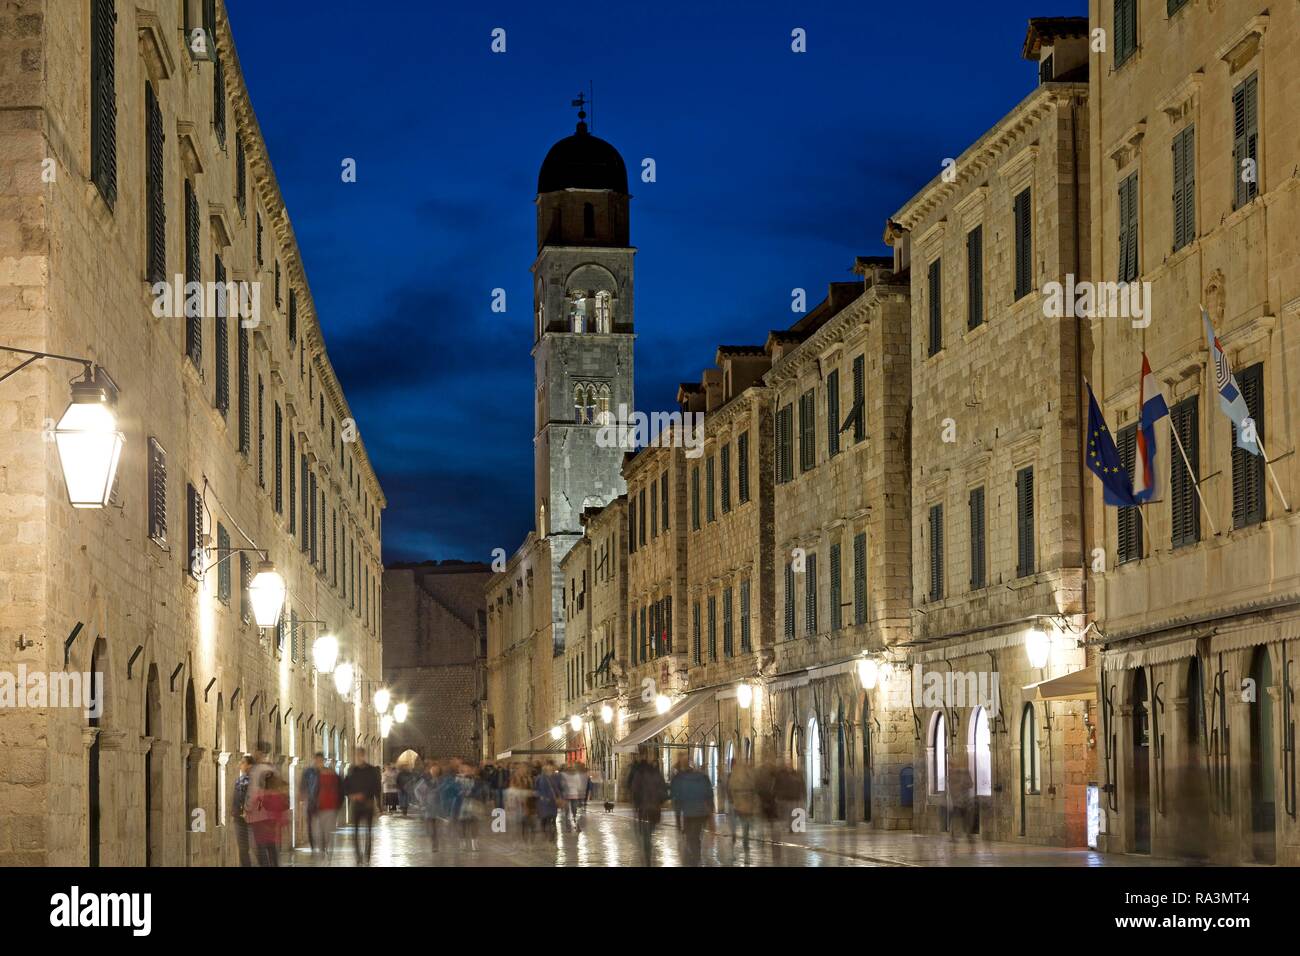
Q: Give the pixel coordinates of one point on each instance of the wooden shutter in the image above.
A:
(728, 647)
(807, 431)
(695, 498)
(157, 492)
(1126, 29)
(240, 175)
(859, 399)
(724, 477)
(245, 581)
(789, 599)
(663, 495)
(631, 523)
(744, 615)
(279, 460)
(977, 540)
(305, 495)
(1025, 522)
(218, 92)
(1245, 137)
(222, 339)
(245, 412)
(833, 413)
(293, 484)
(223, 569)
(975, 277)
(709, 514)
(193, 532)
(103, 98)
(293, 315)
(837, 598)
(860, 578)
(936, 308)
(810, 595)
(1184, 515)
(742, 466)
(1023, 208)
(193, 273)
(155, 192)
(695, 633)
(1184, 198)
(1129, 521)
(1247, 468)
(1128, 228)
(315, 554)
(936, 552)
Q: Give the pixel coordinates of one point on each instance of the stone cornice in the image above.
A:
(983, 155)
(154, 49)
(1244, 44)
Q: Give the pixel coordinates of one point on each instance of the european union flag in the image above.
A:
(1103, 459)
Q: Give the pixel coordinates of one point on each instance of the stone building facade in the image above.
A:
(840, 399)
(997, 539)
(1195, 193)
(435, 643)
(237, 436)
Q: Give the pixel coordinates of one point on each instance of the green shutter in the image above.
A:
(103, 98)
(1025, 522)
(1184, 515)
(1023, 209)
(1129, 521)
(155, 192)
(1247, 468)
(860, 578)
(977, 541)
(837, 610)
(833, 413)
(936, 306)
(193, 273)
(221, 339)
(936, 552)
(975, 277)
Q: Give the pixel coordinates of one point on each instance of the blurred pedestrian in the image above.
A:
(647, 791)
(547, 789)
(428, 798)
(239, 809)
(307, 788)
(272, 805)
(389, 780)
(329, 799)
(364, 789)
(517, 798)
(692, 795)
(742, 799)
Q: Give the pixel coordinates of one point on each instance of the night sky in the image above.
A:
(774, 170)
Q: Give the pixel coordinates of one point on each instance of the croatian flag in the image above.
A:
(1152, 408)
(1231, 401)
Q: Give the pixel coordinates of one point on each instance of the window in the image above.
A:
(1184, 150)
(708, 490)
(257, 244)
(157, 493)
(245, 411)
(1025, 522)
(641, 518)
(936, 307)
(103, 98)
(193, 273)
(1024, 225)
(936, 552)
(1128, 228)
(1046, 69)
(860, 578)
(784, 440)
(978, 550)
(695, 633)
(293, 315)
(789, 600)
(293, 485)
(833, 413)
(1129, 521)
(155, 190)
(245, 581)
(315, 527)
(713, 628)
(742, 467)
(981, 753)
(1185, 518)
(279, 459)
(277, 284)
(938, 752)
(1248, 468)
(221, 399)
(194, 532)
(218, 92)
(240, 177)
(810, 595)
(728, 647)
(975, 277)
(663, 498)
(223, 568)
(724, 477)
(1126, 30)
(695, 498)
(744, 615)
(807, 431)
(654, 511)
(859, 411)
(837, 610)
(1029, 769)
(1245, 140)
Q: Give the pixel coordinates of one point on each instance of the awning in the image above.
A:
(658, 724)
(1080, 685)
(523, 749)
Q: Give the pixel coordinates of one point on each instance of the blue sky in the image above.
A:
(774, 169)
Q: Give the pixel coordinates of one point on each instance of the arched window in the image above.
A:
(938, 753)
(579, 405)
(604, 311)
(1029, 768)
(578, 311)
(981, 766)
(588, 221)
(602, 406)
(591, 405)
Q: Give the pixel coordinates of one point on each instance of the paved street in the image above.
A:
(610, 840)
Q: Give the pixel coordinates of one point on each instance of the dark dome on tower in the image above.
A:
(582, 161)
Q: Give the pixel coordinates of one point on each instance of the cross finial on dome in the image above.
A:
(580, 103)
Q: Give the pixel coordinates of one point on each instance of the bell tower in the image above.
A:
(583, 336)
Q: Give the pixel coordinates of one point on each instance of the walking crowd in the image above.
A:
(459, 802)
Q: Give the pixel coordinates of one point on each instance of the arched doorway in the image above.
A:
(98, 658)
(981, 762)
(1263, 780)
(153, 772)
(814, 761)
(1141, 764)
(866, 760)
(1029, 769)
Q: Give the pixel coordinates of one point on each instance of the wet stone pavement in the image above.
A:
(609, 839)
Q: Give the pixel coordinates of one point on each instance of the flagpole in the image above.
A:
(1272, 474)
(1191, 474)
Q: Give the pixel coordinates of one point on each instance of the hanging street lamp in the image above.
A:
(744, 696)
(606, 713)
(267, 591)
(385, 725)
(382, 700)
(343, 675)
(575, 723)
(325, 653)
(1038, 646)
(399, 713)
